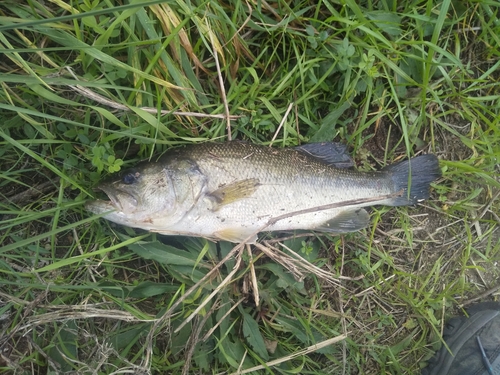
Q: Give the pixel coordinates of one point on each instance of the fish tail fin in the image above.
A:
(413, 178)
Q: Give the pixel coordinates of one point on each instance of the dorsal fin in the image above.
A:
(330, 152)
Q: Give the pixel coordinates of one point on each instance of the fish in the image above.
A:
(233, 190)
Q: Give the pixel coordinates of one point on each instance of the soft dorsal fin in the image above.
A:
(329, 152)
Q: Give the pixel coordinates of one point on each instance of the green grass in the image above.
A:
(83, 87)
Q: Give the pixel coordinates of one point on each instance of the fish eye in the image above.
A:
(130, 178)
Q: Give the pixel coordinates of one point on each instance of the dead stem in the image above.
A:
(298, 353)
(89, 94)
(222, 89)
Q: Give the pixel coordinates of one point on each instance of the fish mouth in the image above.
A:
(118, 200)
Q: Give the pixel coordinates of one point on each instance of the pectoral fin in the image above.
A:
(237, 235)
(233, 192)
(346, 221)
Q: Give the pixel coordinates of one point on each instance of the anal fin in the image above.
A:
(346, 221)
(236, 235)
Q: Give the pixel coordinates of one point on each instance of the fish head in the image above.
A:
(138, 197)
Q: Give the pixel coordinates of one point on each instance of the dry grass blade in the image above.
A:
(299, 353)
(80, 312)
(298, 265)
(34, 191)
(102, 100)
(112, 104)
(194, 339)
(222, 285)
(481, 296)
(290, 106)
(255, 285)
(235, 252)
(212, 330)
(169, 21)
(215, 52)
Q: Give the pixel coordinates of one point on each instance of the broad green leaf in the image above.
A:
(148, 289)
(231, 352)
(388, 22)
(253, 336)
(327, 132)
(129, 337)
(164, 254)
(66, 346)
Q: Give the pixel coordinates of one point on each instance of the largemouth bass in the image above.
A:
(228, 191)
